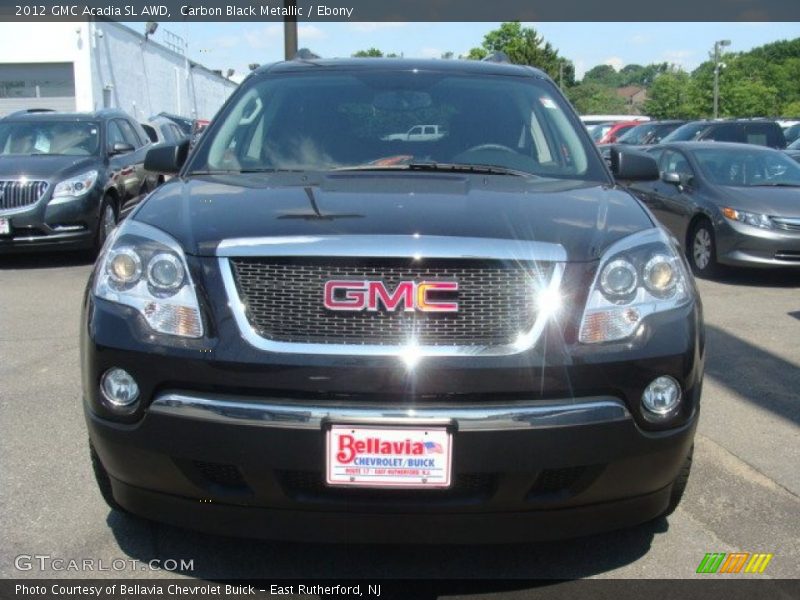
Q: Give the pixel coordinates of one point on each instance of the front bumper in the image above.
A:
(547, 443)
(514, 479)
(69, 225)
(743, 245)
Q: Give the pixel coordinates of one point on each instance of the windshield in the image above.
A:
(381, 120)
(795, 145)
(599, 132)
(745, 168)
(792, 133)
(685, 133)
(67, 138)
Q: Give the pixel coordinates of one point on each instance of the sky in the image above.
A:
(236, 45)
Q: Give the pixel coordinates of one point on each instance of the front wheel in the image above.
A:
(108, 220)
(702, 249)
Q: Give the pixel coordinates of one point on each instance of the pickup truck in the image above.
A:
(297, 337)
(418, 133)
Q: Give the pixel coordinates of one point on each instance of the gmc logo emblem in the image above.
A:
(348, 295)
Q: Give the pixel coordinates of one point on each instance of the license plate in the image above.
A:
(5, 226)
(400, 457)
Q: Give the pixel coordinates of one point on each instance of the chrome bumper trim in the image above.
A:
(394, 246)
(236, 410)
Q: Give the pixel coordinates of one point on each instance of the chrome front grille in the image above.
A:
(18, 193)
(787, 224)
(283, 301)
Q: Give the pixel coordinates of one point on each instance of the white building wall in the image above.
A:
(145, 78)
(51, 43)
(142, 77)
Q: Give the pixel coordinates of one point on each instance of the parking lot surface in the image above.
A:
(743, 495)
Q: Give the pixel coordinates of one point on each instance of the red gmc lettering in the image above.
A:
(354, 297)
(348, 295)
(404, 292)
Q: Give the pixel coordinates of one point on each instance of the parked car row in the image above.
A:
(747, 131)
(66, 179)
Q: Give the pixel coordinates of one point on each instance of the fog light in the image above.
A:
(661, 397)
(119, 389)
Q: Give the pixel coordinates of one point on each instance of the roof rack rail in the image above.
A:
(28, 111)
(305, 54)
(497, 57)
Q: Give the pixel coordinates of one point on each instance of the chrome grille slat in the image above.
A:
(787, 224)
(283, 301)
(17, 193)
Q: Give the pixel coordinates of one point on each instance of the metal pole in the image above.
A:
(561, 75)
(290, 29)
(716, 80)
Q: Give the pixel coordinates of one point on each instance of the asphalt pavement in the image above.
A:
(743, 495)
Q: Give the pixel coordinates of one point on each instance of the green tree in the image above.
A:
(523, 45)
(594, 99)
(747, 98)
(476, 54)
(369, 53)
(792, 109)
(670, 97)
(642, 76)
(602, 74)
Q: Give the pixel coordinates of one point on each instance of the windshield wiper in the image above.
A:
(242, 171)
(443, 167)
(776, 184)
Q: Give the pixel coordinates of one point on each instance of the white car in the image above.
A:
(418, 133)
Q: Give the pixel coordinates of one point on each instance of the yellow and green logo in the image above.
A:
(735, 562)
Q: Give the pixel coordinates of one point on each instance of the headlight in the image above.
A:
(640, 275)
(753, 219)
(75, 187)
(145, 268)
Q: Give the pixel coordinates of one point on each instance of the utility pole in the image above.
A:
(561, 75)
(290, 29)
(717, 45)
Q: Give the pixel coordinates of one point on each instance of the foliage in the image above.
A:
(792, 109)
(642, 76)
(670, 97)
(601, 74)
(761, 82)
(524, 46)
(369, 53)
(595, 99)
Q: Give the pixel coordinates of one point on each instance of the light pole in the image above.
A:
(290, 29)
(717, 45)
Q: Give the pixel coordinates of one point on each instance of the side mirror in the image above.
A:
(677, 179)
(633, 166)
(121, 148)
(167, 158)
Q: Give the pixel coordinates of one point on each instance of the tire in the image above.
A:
(701, 250)
(103, 481)
(108, 220)
(679, 485)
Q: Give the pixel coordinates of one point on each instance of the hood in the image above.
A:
(583, 218)
(43, 166)
(773, 201)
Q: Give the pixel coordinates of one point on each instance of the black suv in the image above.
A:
(66, 177)
(743, 131)
(323, 330)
